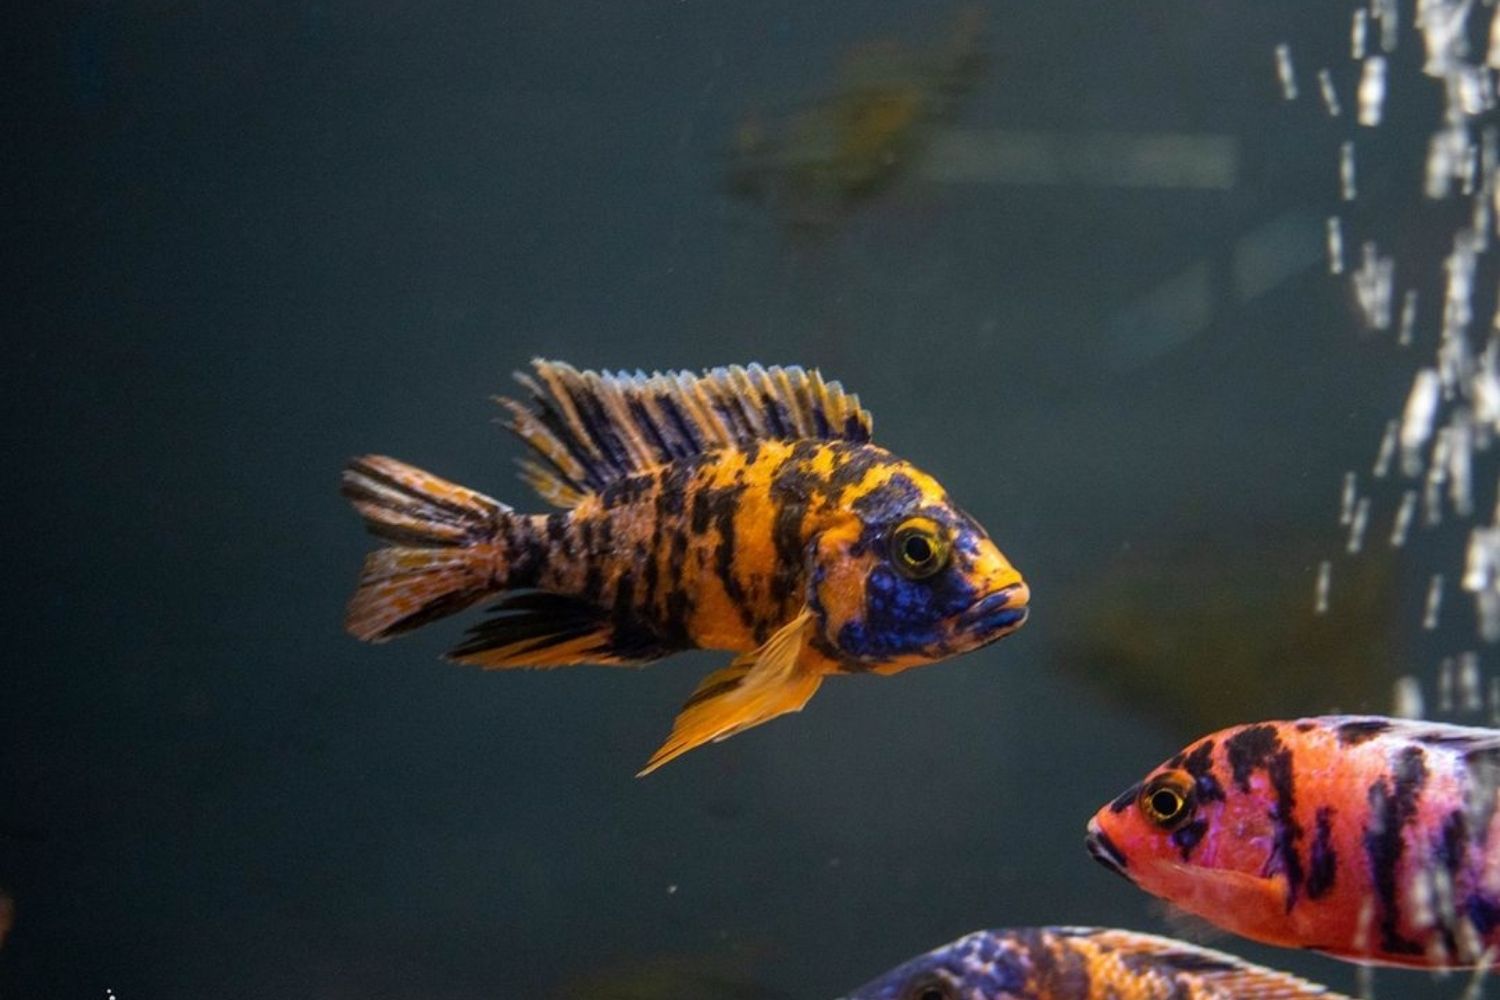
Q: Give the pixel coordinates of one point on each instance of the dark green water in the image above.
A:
(249, 242)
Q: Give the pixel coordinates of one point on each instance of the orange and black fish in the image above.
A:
(744, 509)
(1371, 839)
(1082, 963)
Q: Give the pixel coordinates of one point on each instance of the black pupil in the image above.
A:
(918, 550)
(933, 993)
(1166, 803)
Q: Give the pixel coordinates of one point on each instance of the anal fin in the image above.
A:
(535, 628)
(757, 687)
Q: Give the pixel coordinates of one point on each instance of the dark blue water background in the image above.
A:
(249, 241)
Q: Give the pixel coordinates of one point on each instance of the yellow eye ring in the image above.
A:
(1167, 799)
(920, 548)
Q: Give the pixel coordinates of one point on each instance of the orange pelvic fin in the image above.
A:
(755, 688)
(446, 559)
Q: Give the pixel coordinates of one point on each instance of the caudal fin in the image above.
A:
(446, 557)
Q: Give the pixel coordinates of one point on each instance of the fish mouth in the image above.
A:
(995, 614)
(1104, 851)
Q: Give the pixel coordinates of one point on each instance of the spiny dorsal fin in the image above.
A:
(1467, 739)
(1228, 975)
(589, 429)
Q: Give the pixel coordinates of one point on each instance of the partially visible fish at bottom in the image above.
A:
(7, 917)
(1081, 963)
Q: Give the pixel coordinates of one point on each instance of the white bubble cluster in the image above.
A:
(1451, 413)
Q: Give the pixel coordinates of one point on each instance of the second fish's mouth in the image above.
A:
(996, 614)
(1104, 851)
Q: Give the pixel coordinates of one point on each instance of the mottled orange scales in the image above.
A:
(742, 509)
(1082, 963)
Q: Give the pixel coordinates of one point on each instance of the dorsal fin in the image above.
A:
(589, 429)
(1227, 975)
(1465, 739)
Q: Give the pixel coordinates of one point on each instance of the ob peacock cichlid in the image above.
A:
(744, 509)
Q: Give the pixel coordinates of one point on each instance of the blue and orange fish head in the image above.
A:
(982, 964)
(1188, 834)
(911, 579)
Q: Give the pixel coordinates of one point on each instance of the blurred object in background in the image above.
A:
(7, 916)
(818, 159)
(1199, 633)
(1163, 160)
(1213, 287)
(720, 975)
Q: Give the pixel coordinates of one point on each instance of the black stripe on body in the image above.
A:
(524, 551)
(724, 504)
(1322, 860)
(559, 532)
(1200, 766)
(1260, 748)
(1187, 838)
(791, 492)
(1481, 770)
(668, 528)
(1392, 807)
(1057, 967)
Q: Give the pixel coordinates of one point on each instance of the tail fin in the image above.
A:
(446, 557)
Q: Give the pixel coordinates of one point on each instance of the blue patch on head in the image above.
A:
(977, 964)
(904, 616)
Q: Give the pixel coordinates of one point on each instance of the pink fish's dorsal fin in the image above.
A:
(1355, 729)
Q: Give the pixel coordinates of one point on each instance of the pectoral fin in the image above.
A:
(756, 687)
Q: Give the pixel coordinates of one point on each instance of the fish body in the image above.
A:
(1081, 963)
(1371, 839)
(831, 151)
(744, 510)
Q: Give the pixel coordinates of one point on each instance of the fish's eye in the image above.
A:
(919, 548)
(1167, 799)
(930, 988)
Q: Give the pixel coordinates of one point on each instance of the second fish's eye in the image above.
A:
(919, 548)
(1167, 799)
(930, 988)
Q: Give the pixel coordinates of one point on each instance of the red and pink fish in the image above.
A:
(1371, 839)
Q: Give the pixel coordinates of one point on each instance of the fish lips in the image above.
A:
(1104, 851)
(996, 614)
